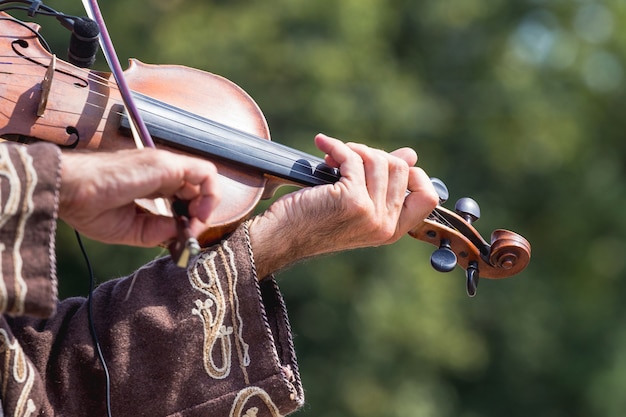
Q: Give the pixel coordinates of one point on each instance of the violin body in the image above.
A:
(196, 112)
(83, 110)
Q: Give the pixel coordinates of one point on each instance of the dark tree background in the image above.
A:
(518, 104)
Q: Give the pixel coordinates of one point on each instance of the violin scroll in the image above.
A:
(459, 243)
(509, 251)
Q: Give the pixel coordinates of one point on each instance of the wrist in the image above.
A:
(269, 244)
(280, 241)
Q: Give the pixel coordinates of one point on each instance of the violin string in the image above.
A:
(98, 79)
(101, 80)
(434, 215)
(258, 144)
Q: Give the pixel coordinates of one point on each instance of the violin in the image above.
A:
(187, 110)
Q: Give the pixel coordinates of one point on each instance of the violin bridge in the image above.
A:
(46, 85)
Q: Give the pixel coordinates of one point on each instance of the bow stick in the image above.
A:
(185, 245)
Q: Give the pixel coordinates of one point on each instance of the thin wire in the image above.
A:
(41, 39)
(92, 327)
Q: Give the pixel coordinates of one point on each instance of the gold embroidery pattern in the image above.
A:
(21, 371)
(212, 311)
(14, 207)
(218, 337)
(245, 395)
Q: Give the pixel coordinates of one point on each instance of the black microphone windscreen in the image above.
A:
(84, 43)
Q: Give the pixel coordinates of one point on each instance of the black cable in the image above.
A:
(37, 7)
(83, 46)
(92, 327)
(41, 39)
(34, 8)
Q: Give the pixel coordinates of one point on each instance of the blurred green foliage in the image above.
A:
(516, 103)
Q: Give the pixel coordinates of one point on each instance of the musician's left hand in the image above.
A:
(368, 206)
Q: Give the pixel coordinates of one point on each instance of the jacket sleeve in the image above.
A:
(207, 340)
(28, 203)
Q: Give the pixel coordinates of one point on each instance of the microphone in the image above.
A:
(83, 42)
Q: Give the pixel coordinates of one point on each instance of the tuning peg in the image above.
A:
(443, 259)
(441, 189)
(472, 276)
(468, 209)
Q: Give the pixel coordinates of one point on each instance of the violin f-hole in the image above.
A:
(73, 139)
(23, 44)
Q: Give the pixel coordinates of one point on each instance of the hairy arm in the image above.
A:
(368, 206)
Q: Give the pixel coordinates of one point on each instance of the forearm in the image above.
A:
(279, 237)
(367, 207)
(272, 244)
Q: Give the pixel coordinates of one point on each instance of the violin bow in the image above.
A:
(185, 246)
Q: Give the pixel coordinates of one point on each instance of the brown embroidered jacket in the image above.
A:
(206, 341)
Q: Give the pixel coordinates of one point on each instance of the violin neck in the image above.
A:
(183, 130)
